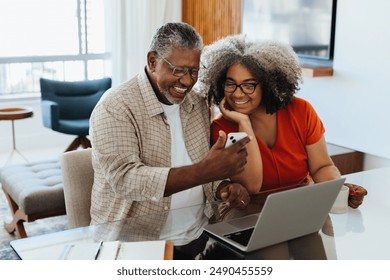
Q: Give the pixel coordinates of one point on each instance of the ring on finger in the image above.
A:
(243, 202)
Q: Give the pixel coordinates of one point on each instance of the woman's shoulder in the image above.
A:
(299, 101)
(299, 105)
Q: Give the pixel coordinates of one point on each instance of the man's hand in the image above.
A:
(234, 195)
(221, 163)
(356, 195)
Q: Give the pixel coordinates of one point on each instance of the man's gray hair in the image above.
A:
(274, 64)
(175, 35)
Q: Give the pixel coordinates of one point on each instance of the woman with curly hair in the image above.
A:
(254, 84)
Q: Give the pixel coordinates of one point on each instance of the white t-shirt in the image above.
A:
(185, 224)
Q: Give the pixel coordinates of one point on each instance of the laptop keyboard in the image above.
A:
(242, 237)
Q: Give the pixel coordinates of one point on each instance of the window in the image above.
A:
(61, 39)
(308, 26)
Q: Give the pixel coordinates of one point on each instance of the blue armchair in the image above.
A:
(67, 106)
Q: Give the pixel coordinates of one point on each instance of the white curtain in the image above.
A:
(130, 27)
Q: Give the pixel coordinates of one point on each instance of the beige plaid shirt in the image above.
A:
(131, 154)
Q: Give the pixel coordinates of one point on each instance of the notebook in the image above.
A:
(285, 215)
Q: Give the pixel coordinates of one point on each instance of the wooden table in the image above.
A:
(12, 114)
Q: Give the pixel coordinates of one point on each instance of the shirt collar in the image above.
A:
(152, 104)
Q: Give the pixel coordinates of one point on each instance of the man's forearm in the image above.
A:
(185, 177)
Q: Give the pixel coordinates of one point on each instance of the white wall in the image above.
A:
(354, 103)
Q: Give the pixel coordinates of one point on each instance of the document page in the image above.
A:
(114, 250)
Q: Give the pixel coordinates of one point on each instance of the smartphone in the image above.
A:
(233, 137)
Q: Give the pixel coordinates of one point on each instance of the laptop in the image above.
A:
(285, 215)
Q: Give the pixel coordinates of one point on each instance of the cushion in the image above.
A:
(35, 187)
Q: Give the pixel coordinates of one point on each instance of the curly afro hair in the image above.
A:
(274, 64)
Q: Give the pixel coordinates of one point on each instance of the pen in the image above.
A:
(98, 249)
(117, 251)
(65, 252)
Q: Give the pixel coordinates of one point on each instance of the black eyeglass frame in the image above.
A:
(243, 90)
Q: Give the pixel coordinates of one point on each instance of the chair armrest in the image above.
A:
(50, 114)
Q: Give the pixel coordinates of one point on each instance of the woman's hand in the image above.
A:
(231, 115)
(234, 195)
(356, 195)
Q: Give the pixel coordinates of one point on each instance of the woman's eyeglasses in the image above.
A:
(247, 88)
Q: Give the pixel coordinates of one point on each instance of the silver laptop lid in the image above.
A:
(286, 215)
(294, 213)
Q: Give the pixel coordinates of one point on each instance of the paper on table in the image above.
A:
(115, 250)
(79, 251)
(142, 250)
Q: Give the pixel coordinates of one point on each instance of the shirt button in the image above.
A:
(166, 208)
(154, 198)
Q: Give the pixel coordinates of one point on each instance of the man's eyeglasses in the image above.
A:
(182, 71)
(247, 88)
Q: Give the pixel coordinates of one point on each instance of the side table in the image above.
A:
(12, 114)
(346, 160)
